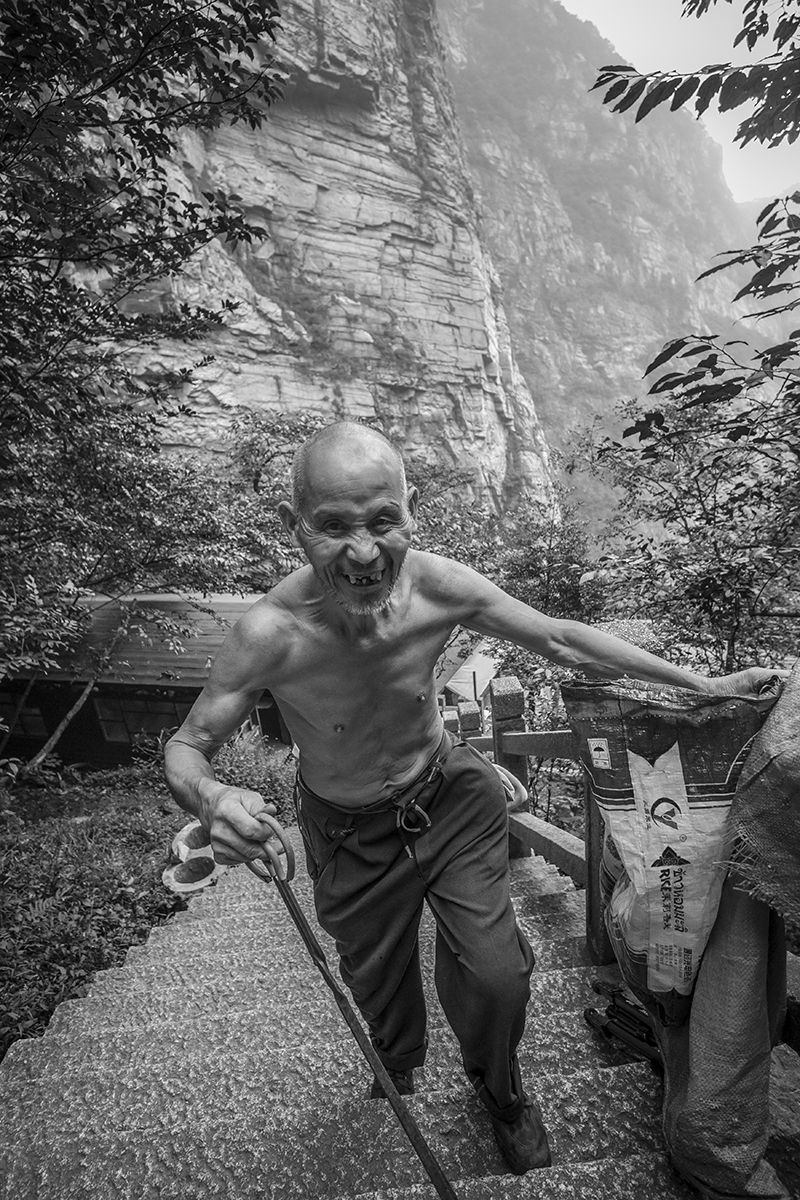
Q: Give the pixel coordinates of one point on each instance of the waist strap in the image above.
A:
(400, 799)
(407, 803)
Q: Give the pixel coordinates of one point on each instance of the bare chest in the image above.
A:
(361, 683)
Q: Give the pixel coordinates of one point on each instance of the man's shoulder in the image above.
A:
(274, 613)
(440, 577)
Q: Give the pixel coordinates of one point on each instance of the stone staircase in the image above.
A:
(215, 1065)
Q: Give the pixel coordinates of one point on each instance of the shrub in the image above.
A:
(248, 760)
(80, 882)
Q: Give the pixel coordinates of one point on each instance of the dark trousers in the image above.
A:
(369, 888)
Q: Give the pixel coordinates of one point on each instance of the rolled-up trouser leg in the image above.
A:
(368, 897)
(483, 961)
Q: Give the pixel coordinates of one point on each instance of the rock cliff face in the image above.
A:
(598, 227)
(374, 295)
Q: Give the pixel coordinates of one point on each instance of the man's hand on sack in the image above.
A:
(240, 824)
(756, 683)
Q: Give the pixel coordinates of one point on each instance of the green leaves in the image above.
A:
(95, 96)
(708, 466)
(656, 94)
(708, 527)
(768, 86)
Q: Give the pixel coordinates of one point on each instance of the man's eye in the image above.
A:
(332, 527)
(383, 523)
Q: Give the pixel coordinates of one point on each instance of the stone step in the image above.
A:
(263, 901)
(267, 906)
(327, 1059)
(202, 971)
(239, 890)
(313, 1151)
(213, 942)
(631, 1178)
(293, 995)
(252, 941)
(168, 1176)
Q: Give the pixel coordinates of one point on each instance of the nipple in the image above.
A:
(421, 697)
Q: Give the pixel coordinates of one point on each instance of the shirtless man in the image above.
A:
(393, 811)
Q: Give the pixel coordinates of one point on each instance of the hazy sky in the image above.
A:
(652, 34)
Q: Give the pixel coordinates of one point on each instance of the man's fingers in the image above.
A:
(242, 826)
(229, 846)
(239, 812)
(266, 818)
(253, 803)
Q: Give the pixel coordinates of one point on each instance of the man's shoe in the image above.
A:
(402, 1080)
(523, 1142)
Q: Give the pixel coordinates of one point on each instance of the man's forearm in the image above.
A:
(600, 653)
(190, 778)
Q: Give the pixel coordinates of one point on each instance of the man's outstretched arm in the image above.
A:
(231, 692)
(491, 611)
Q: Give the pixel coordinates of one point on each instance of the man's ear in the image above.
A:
(289, 521)
(412, 500)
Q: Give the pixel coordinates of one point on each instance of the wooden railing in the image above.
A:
(511, 744)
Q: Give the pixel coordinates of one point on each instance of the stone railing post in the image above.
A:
(470, 719)
(508, 702)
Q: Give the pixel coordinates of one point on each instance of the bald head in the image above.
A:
(342, 442)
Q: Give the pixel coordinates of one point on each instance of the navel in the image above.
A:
(338, 729)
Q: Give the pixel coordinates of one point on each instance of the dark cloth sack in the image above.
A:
(717, 1065)
(766, 809)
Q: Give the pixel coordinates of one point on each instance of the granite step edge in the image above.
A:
(567, 987)
(562, 1038)
(626, 1177)
(303, 1143)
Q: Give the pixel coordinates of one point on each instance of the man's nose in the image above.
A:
(362, 548)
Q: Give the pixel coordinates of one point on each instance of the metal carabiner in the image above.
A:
(277, 866)
(422, 820)
(418, 813)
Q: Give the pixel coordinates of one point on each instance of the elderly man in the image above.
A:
(392, 810)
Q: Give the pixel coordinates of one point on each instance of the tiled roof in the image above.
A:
(145, 658)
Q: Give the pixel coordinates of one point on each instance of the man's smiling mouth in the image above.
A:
(364, 581)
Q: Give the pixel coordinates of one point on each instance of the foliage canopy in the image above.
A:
(709, 464)
(96, 100)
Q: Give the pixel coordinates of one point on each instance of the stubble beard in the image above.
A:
(366, 608)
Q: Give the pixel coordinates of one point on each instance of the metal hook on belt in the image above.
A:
(413, 810)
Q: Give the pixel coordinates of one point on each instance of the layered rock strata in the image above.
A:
(374, 295)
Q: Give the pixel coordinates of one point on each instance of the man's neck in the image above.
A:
(357, 625)
(354, 625)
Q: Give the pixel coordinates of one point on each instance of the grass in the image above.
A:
(80, 874)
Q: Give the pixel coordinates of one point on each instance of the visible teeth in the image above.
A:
(364, 580)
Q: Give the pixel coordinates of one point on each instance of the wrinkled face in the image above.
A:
(356, 527)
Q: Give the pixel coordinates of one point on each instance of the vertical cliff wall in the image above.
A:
(598, 226)
(374, 294)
